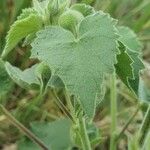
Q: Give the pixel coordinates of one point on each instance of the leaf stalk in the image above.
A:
(113, 103)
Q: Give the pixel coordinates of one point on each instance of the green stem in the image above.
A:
(62, 106)
(113, 98)
(145, 125)
(82, 132)
(128, 123)
(36, 102)
(84, 136)
(23, 129)
(69, 103)
(146, 142)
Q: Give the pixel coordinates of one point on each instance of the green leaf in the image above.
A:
(56, 82)
(43, 73)
(26, 13)
(57, 7)
(55, 135)
(5, 81)
(19, 5)
(81, 63)
(24, 143)
(40, 7)
(29, 39)
(19, 30)
(144, 91)
(26, 78)
(83, 8)
(129, 39)
(38, 76)
(123, 67)
(137, 67)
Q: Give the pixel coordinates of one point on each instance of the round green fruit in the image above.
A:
(70, 19)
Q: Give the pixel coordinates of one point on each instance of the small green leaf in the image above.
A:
(29, 39)
(123, 67)
(144, 92)
(81, 63)
(40, 7)
(84, 9)
(137, 67)
(26, 13)
(19, 30)
(26, 78)
(56, 82)
(55, 135)
(43, 73)
(129, 39)
(57, 7)
(38, 76)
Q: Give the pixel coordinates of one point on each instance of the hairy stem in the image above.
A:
(82, 134)
(69, 103)
(23, 129)
(83, 131)
(113, 98)
(62, 106)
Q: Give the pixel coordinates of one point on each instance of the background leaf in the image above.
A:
(124, 71)
(56, 135)
(133, 47)
(5, 81)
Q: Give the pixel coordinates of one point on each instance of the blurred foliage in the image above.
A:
(134, 14)
(9, 10)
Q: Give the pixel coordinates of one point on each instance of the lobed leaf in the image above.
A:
(81, 63)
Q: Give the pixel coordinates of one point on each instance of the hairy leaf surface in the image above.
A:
(19, 30)
(26, 78)
(80, 62)
(26, 13)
